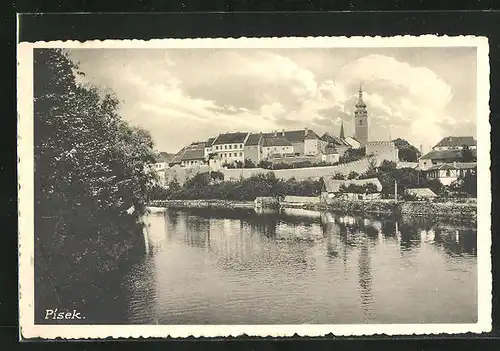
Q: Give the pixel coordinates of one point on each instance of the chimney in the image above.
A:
(283, 132)
(306, 131)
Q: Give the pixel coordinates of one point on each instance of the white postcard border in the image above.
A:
(26, 196)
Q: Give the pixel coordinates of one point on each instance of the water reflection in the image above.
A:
(297, 266)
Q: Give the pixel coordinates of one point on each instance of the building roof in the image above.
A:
(311, 135)
(446, 154)
(452, 141)
(230, 138)
(421, 192)
(209, 142)
(164, 157)
(275, 141)
(193, 154)
(453, 166)
(333, 185)
(253, 139)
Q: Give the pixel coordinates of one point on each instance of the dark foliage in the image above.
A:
(406, 151)
(89, 169)
(201, 187)
(351, 155)
(467, 154)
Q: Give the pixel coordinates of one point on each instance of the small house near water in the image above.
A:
(354, 189)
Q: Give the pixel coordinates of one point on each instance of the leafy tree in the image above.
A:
(467, 155)
(91, 183)
(406, 151)
(339, 176)
(352, 175)
(249, 163)
(265, 164)
(351, 155)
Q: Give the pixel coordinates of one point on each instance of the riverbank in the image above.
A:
(225, 204)
(449, 210)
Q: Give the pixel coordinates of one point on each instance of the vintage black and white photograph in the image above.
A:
(221, 187)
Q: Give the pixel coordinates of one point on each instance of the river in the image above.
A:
(298, 266)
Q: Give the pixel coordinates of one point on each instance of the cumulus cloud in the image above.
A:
(187, 95)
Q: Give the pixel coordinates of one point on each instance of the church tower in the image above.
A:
(361, 120)
(342, 135)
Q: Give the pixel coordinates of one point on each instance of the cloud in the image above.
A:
(185, 95)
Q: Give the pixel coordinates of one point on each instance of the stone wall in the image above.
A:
(202, 204)
(382, 150)
(466, 211)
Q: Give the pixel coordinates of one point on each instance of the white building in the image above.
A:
(447, 173)
(229, 147)
(275, 146)
(455, 143)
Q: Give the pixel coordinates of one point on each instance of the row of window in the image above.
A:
(230, 154)
(238, 146)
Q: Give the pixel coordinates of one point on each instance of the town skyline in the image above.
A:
(412, 93)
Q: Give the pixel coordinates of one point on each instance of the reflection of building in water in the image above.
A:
(456, 241)
(365, 278)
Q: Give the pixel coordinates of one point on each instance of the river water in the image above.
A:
(298, 266)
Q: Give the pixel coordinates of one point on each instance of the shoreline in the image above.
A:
(460, 212)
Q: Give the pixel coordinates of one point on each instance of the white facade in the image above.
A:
(191, 163)
(268, 151)
(229, 153)
(311, 147)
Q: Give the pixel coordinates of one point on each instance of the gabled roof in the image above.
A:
(453, 166)
(311, 135)
(446, 154)
(452, 141)
(333, 185)
(230, 138)
(193, 154)
(253, 139)
(275, 141)
(164, 157)
(421, 192)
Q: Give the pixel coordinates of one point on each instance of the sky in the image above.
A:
(186, 95)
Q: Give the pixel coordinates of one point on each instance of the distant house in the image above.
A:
(252, 148)
(339, 143)
(312, 143)
(193, 157)
(421, 193)
(438, 157)
(447, 173)
(275, 146)
(208, 147)
(330, 154)
(454, 143)
(161, 165)
(353, 143)
(338, 188)
(229, 147)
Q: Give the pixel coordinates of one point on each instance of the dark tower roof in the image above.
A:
(342, 136)
(360, 103)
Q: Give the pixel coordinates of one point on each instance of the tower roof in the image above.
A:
(342, 136)
(360, 103)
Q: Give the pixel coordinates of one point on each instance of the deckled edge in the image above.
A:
(29, 330)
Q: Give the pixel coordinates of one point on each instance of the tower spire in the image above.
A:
(342, 136)
(361, 103)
